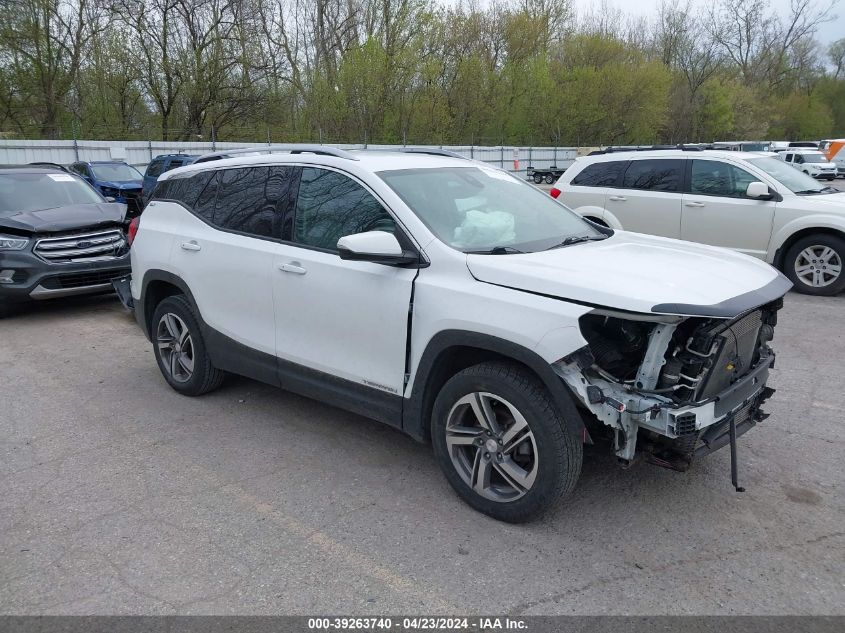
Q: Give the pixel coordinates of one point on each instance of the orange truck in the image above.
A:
(834, 149)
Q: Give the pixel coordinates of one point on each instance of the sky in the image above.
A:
(828, 32)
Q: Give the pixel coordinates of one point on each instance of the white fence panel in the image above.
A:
(140, 153)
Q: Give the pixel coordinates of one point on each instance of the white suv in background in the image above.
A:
(754, 204)
(812, 162)
(457, 303)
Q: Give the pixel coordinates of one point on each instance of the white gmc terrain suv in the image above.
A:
(457, 303)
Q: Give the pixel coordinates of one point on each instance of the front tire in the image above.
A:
(550, 179)
(180, 349)
(814, 264)
(502, 443)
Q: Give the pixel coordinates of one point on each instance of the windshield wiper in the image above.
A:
(577, 239)
(811, 191)
(497, 250)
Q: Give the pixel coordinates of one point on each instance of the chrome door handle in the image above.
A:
(696, 205)
(292, 267)
(191, 246)
(618, 198)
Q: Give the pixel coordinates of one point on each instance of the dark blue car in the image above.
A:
(161, 164)
(113, 179)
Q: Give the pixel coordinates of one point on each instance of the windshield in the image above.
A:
(35, 192)
(115, 172)
(788, 176)
(755, 147)
(815, 157)
(479, 209)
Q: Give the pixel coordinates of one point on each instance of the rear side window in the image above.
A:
(184, 190)
(331, 205)
(254, 200)
(599, 174)
(207, 198)
(654, 175)
(155, 168)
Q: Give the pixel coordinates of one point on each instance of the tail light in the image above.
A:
(133, 229)
(555, 192)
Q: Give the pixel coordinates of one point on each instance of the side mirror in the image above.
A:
(758, 190)
(111, 199)
(379, 247)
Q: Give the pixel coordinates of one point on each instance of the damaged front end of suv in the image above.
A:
(673, 388)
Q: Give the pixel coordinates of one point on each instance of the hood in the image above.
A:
(829, 201)
(640, 273)
(77, 216)
(122, 184)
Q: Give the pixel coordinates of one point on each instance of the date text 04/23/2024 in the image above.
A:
(417, 623)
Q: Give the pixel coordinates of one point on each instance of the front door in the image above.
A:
(347, 319)
(716, 210)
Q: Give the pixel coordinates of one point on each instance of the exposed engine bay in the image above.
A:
(677, 385)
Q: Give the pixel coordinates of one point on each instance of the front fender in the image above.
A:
(815, 221)
(417, 408)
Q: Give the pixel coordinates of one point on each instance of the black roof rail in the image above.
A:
(48, 165)
(650, 148)
(291, 148)
(432, 151)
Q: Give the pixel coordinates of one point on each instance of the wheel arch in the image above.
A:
(451, 351)
(786, 242)
(156, 286)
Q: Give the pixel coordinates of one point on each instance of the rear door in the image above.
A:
(716, 210)
(587, 191)
(226, 253)
(648, 199)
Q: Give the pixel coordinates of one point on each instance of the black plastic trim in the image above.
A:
(732, 307)
(237, 358)
(150, 276)
(421, 399)
(743, 389)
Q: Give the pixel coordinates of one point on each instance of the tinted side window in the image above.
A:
(185, 190)
(331, 205)
(208, 197)
(712, 178)
(154, 168)
(254, 199)
(654, 175)
(599, 175)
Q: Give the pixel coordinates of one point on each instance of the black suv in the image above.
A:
(58, 236)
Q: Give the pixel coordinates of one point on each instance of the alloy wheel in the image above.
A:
(818, 266)
(492, 447)
(176, 347)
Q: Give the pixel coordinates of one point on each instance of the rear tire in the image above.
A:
(180, 349)
(814, 264)
(502, 443)
(538, 178)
